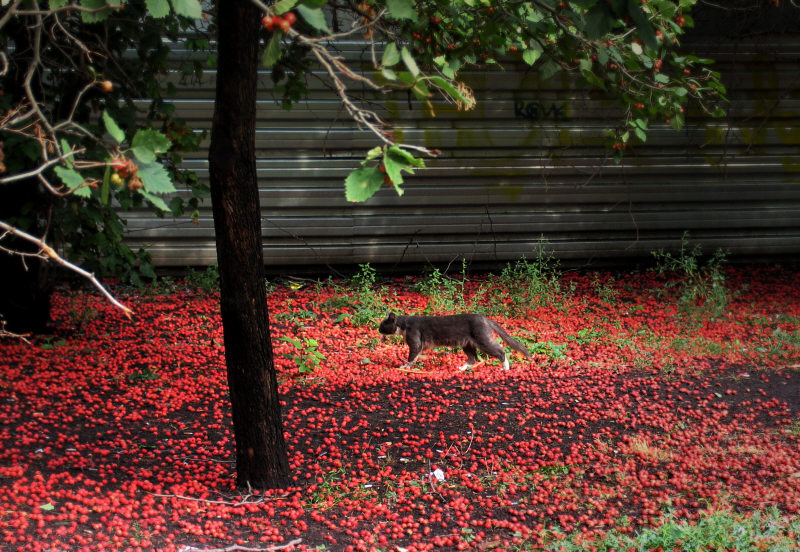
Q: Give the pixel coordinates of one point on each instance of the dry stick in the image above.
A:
(222, 502)
(48, 253)
(231, 548)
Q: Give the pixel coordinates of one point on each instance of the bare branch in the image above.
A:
(41, 168)
(5, 333)
(12, 11)
(48, 253)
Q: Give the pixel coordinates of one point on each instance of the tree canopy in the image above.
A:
(87, 124)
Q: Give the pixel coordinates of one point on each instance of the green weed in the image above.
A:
(548, 349)
(359, 295)
(307, 356)
(605, 289)
(701, 287)
(588, 336)
(145, 374)
(446, 294)
(205, 280)
(528, 284)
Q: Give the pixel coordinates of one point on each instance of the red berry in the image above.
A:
(107, 86)
(268, 22)
(119, 164)
(284, 25)
(290, 17)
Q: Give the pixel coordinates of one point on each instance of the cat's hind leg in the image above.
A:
(472, 357)
(492, 348)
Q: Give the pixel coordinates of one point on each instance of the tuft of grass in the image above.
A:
(714, 531)
(644, 449)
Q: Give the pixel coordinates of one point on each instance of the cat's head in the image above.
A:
(388, 325)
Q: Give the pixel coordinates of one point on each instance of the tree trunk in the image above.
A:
(261, 459)
(26, 285)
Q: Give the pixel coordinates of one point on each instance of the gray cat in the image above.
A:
(468, 331)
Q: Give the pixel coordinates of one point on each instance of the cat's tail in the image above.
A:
(513, 343)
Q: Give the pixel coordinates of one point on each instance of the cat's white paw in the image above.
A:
(465, 367)
(506, 365)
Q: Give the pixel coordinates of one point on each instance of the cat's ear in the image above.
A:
(390, 315)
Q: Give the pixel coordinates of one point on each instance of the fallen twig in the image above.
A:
(233, 547)
(244, 501)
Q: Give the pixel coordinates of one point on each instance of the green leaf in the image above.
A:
(283, 6)
(65, 147)
(646, 31)
(188, 8)
(374, 153)
(602, 56)
(410, 159)
(100, 13)
(391, 55)
(388, 74)
(532, 54)
(598, 21)
(680, 91)
(155, 200)
(273, 51)
(54, 4)
(106, 187)
(157, 8)
(73, 179)
(401, 9)
(314, 17)
(421, 90)
(112, 128)
(547, 69)
(362, 183)
(451, 90)
(662, 78)
(314, 3)
(409, 62)
(148, 143)
(155, 178)
(640, 134)
(394, 168)
(47, 507)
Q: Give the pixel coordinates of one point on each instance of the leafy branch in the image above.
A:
(49, 141)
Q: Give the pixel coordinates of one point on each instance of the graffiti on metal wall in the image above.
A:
(540, 111)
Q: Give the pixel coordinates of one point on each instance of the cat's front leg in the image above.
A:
(472, 358)
(414, 349)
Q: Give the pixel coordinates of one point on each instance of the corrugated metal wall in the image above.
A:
(528, 163)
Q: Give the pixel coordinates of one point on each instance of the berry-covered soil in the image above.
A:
(636, 403)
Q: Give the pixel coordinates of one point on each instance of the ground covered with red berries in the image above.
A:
(117, 434)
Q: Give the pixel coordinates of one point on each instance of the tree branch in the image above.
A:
(48, 253)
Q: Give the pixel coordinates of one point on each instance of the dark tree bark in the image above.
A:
(261, 459)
